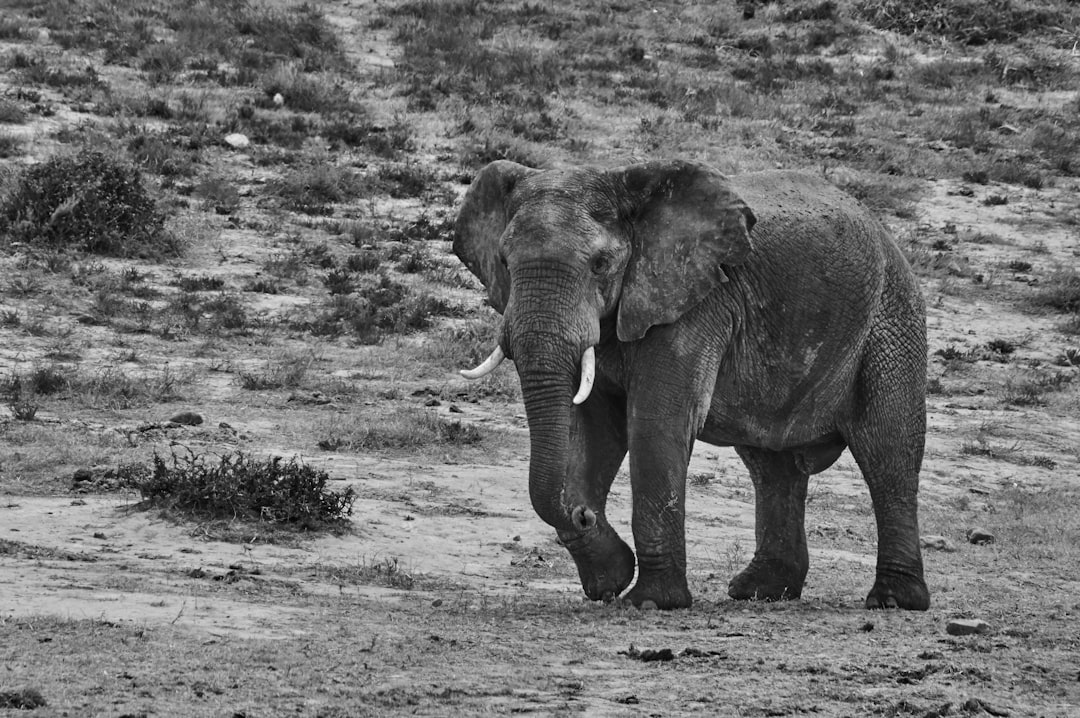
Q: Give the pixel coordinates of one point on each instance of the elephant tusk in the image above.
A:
(588, 373)
(486, 367)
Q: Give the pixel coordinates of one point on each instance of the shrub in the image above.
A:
(312, 190)
(91, 201)
(1060, 291)
(363, 262)
(307, 93)
(11, 145)
(11, 112)
(237, 486)
(425, 229)
(338, 281)
(39, 382)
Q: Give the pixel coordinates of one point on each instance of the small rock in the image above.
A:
(648, 654)
(977, 705)
(455, 409)
(966, 627)
(937, 543)
(979, 537)
(432, 402)
(187, 418)
(237, 140)
(82, 476)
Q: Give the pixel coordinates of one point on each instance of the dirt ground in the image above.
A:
(451, 596)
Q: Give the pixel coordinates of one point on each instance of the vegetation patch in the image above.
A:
(89, 201)
(408, 429)
(239, 487)
(970, 22)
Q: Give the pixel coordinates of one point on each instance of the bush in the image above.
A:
(1060, 291)
(239, 487)
(89, 201)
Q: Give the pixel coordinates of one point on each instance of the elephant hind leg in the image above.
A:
(781, 560)
(887, 440)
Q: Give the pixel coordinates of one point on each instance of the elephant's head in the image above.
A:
(561, 251)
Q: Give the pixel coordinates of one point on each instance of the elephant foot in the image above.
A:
(605, 563)
(768, 580)
(905, 592)
(665, 593)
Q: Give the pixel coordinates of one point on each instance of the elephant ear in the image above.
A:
(686, 221)
(481, 221)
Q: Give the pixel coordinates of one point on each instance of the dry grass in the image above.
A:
(315, 308)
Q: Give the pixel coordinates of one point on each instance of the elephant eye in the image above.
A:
(600, 264)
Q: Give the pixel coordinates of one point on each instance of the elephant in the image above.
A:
(650, 305)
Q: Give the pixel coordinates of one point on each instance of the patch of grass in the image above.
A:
(11, 112)
(1031, 388)
(1059, 291)
(377, 307)
(316, 188)
(406, 429)
(199, 283)
(356, 130)
(11, 145)
(304, 92)
(882, 193)
(970, 22)
(165, 154)
(338, 281)
(238, 487)
(463, 344)
(1070, 325)
(164, 38)
(387, 572)
(364, 262)
(89, 201)
(402, 181)
(218, 194)
(11, 29)
(289, 370)
(223, 311)
(113, 388)
(26, 699)
(415, 261)
(424, 229)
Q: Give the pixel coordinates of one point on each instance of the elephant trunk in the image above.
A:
(547, 367)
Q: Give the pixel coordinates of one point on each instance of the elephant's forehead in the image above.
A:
(563, 200)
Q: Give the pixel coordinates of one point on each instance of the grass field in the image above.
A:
(225, 264)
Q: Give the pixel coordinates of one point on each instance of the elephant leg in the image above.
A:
(781, 560)
(887, 440)
(659, 454)
(597, 447)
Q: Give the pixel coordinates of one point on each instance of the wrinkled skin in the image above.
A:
(769, 312)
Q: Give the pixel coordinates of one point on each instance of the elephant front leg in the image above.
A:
(659, 454)
(781, 559)
(597, 447)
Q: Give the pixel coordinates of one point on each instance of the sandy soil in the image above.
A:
(471, 606)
